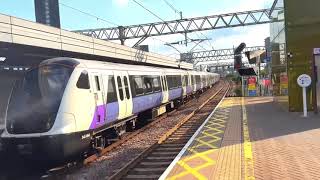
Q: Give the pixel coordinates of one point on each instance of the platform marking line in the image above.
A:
(215, 125)
(165, 174)
(248, 157)
(194, 171)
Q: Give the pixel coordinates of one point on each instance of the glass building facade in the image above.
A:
(293, 35)
(278, 56)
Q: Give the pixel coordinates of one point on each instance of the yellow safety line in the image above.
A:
(216, 120)
(248, 157)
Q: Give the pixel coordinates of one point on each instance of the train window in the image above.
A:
(120, 88)
(170, 82)
(165, 82)
(179, 81)
(137, 85)
(162, 83)
(191, 76)
(96, 78)
(183, 80)
(148, 84)
(126, 86)
(193, 80)
(83, 81)
(111, 95)
(198, 79)
(156, 84)
(186, 80)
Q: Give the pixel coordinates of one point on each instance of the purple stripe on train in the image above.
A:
(175, 93)
(145, 102)
(100, 114)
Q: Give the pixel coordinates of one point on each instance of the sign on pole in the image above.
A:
(304, 80)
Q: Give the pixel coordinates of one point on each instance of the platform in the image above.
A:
(251, 138)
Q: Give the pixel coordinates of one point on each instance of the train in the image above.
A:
(66, 107)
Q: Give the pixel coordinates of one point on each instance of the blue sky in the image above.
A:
(126, 12)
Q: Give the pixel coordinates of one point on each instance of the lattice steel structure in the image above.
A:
(224, 64)
(214, 55)
(180, 26)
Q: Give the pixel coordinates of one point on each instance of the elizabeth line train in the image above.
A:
(67, 106)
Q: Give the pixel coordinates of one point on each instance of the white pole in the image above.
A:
(304, 102)
(242, 84)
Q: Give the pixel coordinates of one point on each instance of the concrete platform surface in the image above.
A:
(251, 138)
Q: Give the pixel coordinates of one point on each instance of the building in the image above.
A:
(293, 35)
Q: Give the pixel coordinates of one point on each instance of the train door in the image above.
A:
(124, 94)
(164, 88)
(184, 85)
(99, 98)
(194, 83)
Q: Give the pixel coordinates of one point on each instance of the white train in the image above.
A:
(66, 106)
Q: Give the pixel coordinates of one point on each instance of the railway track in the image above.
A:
(153, 162)
(59, 172)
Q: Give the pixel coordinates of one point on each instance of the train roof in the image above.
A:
(92, 64)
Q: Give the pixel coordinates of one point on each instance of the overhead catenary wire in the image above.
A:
(177, 11)
(141, 5)
(88, 14)
(147, 10)
(171, 6)
(180, 13)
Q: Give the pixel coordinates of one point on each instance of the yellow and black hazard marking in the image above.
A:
(204, 147)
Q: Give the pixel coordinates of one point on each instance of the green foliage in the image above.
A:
(233, 77)
(238, 92)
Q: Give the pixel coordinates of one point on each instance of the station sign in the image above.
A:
(316, 51)
(304, 80)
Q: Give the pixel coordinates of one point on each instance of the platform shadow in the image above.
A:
(267, 119)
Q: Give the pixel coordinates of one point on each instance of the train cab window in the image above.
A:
(148, 84)
(156, 84)
(96, 79)
(111, 96)
(83, 81)
(120, 89)
(126, 86)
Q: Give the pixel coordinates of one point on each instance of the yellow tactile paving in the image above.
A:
(247, 146)
(205, 155)
(229, 161)
(251, 138)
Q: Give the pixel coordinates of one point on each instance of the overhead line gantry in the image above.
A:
(214, 55)
(180, 26)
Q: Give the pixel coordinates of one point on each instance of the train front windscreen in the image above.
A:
(35, 99)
